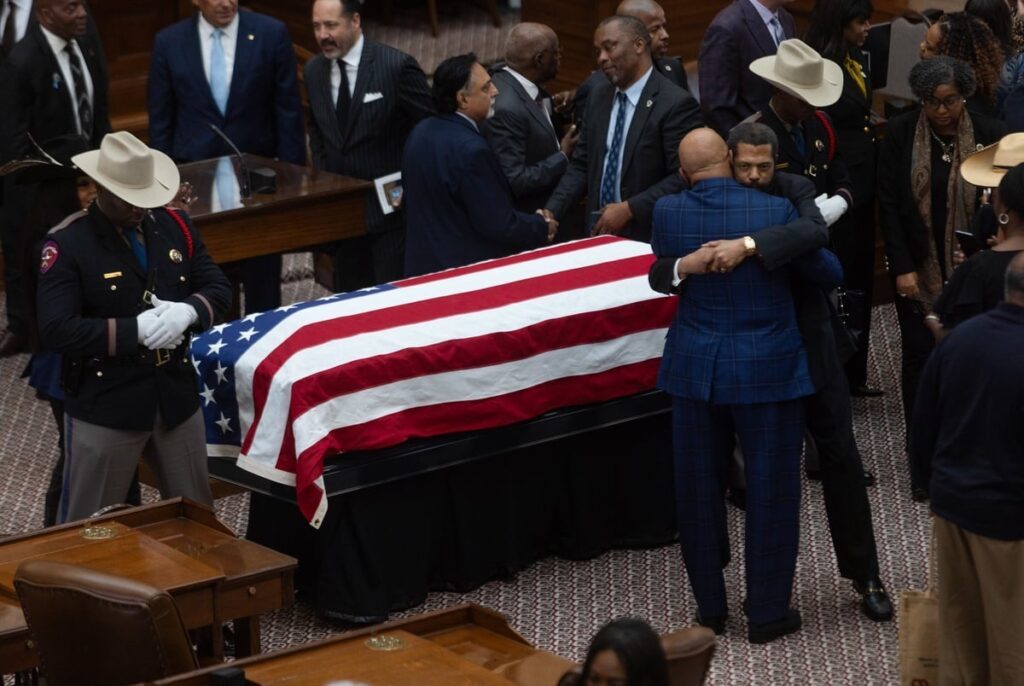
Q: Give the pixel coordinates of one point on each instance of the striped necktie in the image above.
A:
(81, 92)
(610, 182)
(777, 32)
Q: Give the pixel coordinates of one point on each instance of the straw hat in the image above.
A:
(987, 167)
(800, 71)
(126, 167)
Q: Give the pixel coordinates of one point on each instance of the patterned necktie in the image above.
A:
(81, 92)
(10, 29)
(777, 33)
(610, 181)
(798, 138)
(218, 72)
(344, 96)
(137, 247)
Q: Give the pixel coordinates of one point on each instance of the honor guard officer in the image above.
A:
(807, 139)
(120, 287)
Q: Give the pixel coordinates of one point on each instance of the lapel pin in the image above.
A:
(252, 37)
(650, 103)
(175, 255)
(668, 67)
(819, 146)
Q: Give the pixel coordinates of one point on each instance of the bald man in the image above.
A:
(532, 152)
(734, 363)
(653, 17)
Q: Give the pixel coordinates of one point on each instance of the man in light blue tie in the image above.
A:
(626, 155)
(741, 33)
(235, 70)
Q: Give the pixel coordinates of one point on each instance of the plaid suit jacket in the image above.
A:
(735, 339)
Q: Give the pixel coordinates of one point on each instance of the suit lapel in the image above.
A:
(757, 28)
(602, 109)
(640, 115)
(319, 86)
(363, 77)
(193, 54)
(529, 103)
(244, 49)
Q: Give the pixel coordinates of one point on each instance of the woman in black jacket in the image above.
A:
(838, 30)
(923, 201)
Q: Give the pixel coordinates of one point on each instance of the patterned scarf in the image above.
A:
(960, 200)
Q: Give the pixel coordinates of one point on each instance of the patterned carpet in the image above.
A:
(558, 604)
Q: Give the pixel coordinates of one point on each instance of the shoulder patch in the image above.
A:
(68, 221)
(51, 251)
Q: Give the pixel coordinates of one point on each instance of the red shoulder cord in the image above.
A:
(184, 228)
(828, 132)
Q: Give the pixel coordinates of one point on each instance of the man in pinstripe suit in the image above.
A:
(734, 362)
(364, 99)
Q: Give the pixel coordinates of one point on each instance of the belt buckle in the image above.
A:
(163, 356)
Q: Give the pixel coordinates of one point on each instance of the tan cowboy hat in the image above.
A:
(129, 169)
(800, 71)
(987, 167)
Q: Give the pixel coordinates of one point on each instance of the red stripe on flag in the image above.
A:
(502, 262)
(470, 353)
(434, 420)
(418, 312)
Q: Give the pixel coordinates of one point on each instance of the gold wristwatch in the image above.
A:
(750, 246)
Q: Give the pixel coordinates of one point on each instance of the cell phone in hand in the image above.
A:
(969, 243)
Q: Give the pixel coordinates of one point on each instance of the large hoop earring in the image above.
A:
(1003, 219)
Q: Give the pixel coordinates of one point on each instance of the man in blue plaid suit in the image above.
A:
(734, 362)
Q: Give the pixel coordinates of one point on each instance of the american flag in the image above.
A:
(475, 347)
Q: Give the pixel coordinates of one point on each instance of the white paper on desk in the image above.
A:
(389, 192)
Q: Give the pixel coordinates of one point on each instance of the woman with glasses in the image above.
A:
(923, 200)
(837, 31)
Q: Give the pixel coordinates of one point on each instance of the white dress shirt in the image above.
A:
(351, 60)
(23, 10)
(57, 44)
(228, 41)
(633, 94)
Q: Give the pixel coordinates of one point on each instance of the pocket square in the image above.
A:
(370, 97)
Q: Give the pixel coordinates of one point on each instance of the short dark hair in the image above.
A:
(350, 7)
(927, 75)
(638, 648)
(752, 133)
(1011, 190)
(450, 78)
(633, 27)
(1013, 282)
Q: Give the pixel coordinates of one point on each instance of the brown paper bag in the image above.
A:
(919, 631)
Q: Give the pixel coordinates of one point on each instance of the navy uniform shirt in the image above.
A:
(92, 288)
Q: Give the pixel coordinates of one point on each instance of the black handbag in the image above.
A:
(849, 323)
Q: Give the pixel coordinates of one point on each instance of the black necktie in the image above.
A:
(81, 92)
(344, 97)
(7, 41)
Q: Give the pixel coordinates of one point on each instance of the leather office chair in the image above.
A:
(94, 628)
(688, 651)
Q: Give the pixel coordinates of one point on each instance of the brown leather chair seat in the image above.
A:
(94, 628)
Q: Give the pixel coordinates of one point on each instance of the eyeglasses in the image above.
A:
(948, 102)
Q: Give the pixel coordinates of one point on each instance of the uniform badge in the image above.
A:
(49, 256)
(175, 256)
(818, 145)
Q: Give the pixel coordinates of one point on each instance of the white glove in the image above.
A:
(831, 208)
(146, 323)
(171, 325)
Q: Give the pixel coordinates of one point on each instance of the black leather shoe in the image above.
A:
(874, 600)
(12, 344)
(865, 391)
(716, 624)
(869, 478)
(768, 632)
(738, 498)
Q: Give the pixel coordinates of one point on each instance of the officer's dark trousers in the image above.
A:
(830, 423)
(917, 342)
(771, 435)
(854, 244)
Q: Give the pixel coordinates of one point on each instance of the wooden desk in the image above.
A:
(450, 647)
(309, 208)
(176, 545)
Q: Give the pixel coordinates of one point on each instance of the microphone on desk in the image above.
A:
(244, 182)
